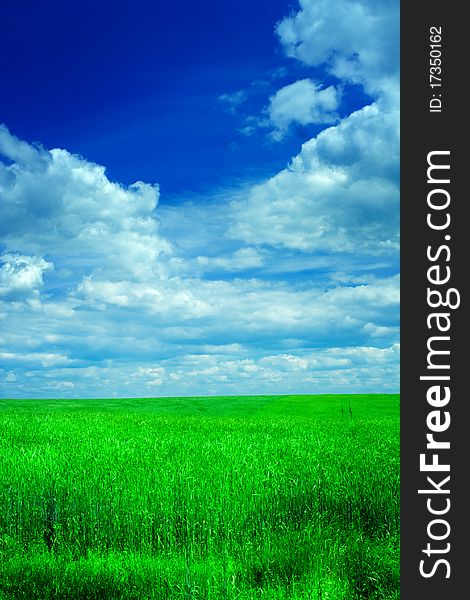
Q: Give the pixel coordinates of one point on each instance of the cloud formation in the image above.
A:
(57, 204)
(21, 276)
(290, 285)
(357, 40)
(303, 102)
(341, 192)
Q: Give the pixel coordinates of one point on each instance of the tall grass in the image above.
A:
(123, 503)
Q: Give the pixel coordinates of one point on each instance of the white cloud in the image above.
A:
(112, 323)
(58, 204)
(21, 276)
(45, 359)
(233, 100)
(339, 194)
(150, 376)
(19, 151)
(358, 40)
(339, 369)
(63, 385)
(241, 259)
(212, 312)
(303, 102)
(96, 298)
(285, 362)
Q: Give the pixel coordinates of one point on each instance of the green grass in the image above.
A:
(228, 497)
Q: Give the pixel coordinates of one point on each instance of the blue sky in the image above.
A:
(199, 199)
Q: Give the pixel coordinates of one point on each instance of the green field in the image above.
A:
(226, 497)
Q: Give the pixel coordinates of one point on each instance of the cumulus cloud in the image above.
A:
(302, 102)
(349, 366)
(208, 337)
(57, 203)
(249, 311)
(357, 40)
(21, 276)
(104, 324)
(335, 369)
(97, 298)
(149, 376)
(340, 193)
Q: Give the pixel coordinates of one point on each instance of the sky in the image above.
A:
(199, 198)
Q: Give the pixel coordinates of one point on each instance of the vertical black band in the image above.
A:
(434, 347)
